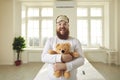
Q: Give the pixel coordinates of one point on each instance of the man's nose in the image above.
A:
(62, 26)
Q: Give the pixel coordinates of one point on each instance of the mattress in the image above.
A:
(88, 72)
(85, 72)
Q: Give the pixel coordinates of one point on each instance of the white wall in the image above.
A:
(114, 27)
(118, 36)
(31, 55)
(93, 55)
(6, 31)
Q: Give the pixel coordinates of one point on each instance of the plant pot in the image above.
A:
(18, 62)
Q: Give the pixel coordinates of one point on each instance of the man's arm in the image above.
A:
(66, 58)
(73, 64)
(59, 66)
(62, 65)
(49, 58)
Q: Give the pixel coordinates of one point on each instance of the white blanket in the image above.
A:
(85, 72)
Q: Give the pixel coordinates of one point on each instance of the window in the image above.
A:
(90, 25)
(47, 28)
(36, 25)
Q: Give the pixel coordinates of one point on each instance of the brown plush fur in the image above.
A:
(63, 48)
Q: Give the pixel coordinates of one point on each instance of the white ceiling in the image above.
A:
(47, 0)
(51, 2)
(35, 0)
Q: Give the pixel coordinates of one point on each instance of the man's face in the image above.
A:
(62, 29)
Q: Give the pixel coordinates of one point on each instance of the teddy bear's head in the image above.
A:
(63, 48)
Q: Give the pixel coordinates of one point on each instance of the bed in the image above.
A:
(85, 72)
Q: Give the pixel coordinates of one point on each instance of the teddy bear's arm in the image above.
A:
(52, 52)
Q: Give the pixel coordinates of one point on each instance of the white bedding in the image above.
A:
(88, 72)
(85, 72)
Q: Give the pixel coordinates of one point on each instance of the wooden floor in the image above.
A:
(29, 71)
(110, 72)
(23, 72)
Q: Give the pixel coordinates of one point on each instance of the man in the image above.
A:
(56, 61)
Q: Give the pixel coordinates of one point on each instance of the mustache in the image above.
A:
(62, 28)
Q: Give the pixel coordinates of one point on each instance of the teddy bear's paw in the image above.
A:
(75, 54)
(51, 52)
(67, 75)
(58, 74)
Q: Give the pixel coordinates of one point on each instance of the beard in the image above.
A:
(63, 36)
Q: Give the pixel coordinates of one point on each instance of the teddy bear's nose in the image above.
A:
(63, 51)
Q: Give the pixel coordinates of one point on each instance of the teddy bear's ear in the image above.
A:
(68, 44)
(57, 45)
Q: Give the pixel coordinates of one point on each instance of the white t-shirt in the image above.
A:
(51, 59)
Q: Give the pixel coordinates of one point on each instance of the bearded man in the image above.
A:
(62, 61)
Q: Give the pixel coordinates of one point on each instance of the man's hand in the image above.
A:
(66, 58)
(59, 66)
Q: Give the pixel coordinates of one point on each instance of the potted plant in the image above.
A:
(18, 46)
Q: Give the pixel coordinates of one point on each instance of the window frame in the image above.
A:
(39, 18)
(89, 18)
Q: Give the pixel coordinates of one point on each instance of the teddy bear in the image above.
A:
(63, 48)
